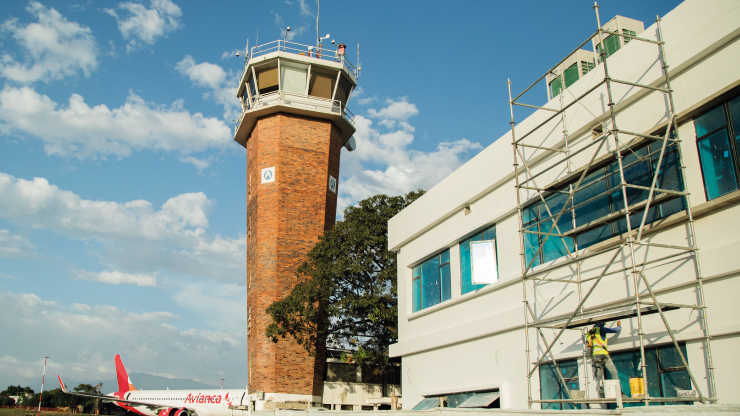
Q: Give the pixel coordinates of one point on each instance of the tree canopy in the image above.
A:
(57, 398)
(347, 292)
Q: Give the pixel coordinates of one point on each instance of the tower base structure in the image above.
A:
(292, 171)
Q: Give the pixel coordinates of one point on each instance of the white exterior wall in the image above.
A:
(476, 340)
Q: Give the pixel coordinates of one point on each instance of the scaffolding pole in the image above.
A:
(633, 236)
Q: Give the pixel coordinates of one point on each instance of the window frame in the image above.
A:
(480, 233)
(734, 151)
(417, 304)
(645, 153)
(573, 378)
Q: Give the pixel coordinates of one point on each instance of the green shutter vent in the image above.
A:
(555, 87)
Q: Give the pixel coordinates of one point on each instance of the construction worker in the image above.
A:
(601, 361)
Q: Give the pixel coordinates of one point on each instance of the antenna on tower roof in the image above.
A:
(318, 9)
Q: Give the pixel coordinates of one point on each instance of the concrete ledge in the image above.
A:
(713, 409)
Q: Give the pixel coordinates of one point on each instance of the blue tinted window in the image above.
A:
(592, 203)
(444, 277)
(733, 108)
(665, 372)
(541, 218)
(717, 164)
(430, 282)
(416, 288)
(466, 274)
(551, 387)
(710, 121)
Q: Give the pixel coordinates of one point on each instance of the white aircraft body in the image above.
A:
(170, 402)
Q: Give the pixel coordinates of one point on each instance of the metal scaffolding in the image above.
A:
(569, 183)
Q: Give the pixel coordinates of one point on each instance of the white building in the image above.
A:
(458, 337)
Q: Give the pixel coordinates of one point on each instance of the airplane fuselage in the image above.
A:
(203, 402)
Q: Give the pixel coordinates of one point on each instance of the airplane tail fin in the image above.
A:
(124, 382)
(64, 388)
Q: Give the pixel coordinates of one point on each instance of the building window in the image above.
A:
(592, 202)
(466, 272)
(665, 371)
(551, 388)
(717, 138)
(341, 372)
(431, 281)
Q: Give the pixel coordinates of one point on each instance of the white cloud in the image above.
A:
(199, 164)
(138, 238)
(140, 24)
(78, 130)
(367, 100)
(357, 96)
(389, 124)
(399, 110)
(296, 32)
(41, 205)
(117, 278)
(221, 85)
(222, 304)
(203, 74)
(148, 341)
(232, 53)
(80, 307)
(14, 246)
(305, 11)
(55, 46)
(385, 163)
(278, 19)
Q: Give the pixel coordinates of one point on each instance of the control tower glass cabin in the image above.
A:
(299, 79)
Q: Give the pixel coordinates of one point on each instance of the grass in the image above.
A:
(24, 412)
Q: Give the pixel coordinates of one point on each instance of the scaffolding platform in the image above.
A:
(615, 316)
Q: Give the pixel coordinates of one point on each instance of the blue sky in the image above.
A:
(122, 193)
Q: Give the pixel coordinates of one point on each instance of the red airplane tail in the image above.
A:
(124, 382)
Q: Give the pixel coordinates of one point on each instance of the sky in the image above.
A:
(122, 192)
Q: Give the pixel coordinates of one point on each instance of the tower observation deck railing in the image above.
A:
(306, 102)
(664, 150)
(302, 50)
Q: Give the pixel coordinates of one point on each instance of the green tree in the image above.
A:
(6, 401)
(346, 291)
(16, 390)
(88, 403)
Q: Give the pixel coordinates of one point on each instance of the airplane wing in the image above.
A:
(107, 398)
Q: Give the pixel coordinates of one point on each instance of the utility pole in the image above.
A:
(42, 386)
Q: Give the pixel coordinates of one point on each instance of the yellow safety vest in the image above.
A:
(597, 342)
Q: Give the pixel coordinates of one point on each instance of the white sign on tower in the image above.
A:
(268, 175)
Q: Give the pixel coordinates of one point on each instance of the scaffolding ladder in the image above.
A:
(636, 306)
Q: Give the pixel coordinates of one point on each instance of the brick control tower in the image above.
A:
(294, 123)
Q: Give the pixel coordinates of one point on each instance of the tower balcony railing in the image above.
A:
(307, 102)
(303, 50)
